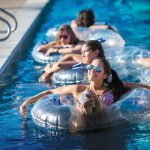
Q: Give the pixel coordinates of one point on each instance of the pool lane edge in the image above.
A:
(32, 12)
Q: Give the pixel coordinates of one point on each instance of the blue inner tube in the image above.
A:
(58, 111)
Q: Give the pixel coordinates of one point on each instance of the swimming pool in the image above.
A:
(21, 82)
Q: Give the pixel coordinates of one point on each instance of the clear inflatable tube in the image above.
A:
(40, 57)
(58, 112)
(132, 57)
(71, 76)
(144, 76)
(108, 38)
(127, 62)
(134, 54)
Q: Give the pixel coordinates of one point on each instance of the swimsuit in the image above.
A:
(107, 97)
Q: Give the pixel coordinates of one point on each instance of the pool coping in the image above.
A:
(31, 11)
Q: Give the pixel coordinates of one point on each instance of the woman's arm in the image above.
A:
(69, 60)
(45, 47)
(135, 85)
(31, 100)
(65, 63)
(55, 68)
(71, 50)
(99, 26)
(74, 24)
(72, 57)
(103, 27)
(71, 89)
(145, 62)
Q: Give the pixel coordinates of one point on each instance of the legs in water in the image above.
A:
(87, 115)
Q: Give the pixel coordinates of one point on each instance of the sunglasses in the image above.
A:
(64, 37)
(97, 69)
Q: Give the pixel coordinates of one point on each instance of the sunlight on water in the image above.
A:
(132, 20)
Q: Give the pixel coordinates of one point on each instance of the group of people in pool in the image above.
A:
(105, 87)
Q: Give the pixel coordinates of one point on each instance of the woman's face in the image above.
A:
(87, 54)
(96, 71)
(65, 38)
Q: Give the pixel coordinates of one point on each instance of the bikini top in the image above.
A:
(107, 97)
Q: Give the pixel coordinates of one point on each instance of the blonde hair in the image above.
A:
(67, 28)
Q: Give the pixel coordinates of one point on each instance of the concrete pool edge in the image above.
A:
(31, 12)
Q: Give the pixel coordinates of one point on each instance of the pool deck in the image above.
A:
(26, 13)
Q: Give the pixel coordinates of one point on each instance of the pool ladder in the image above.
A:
(5, 33)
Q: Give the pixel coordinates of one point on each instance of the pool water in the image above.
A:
(21, 81)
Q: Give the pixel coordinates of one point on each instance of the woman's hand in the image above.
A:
(67, 46)
(92, 105)
(44, 77)
(42, 49)
(23, 109)
(51, 50)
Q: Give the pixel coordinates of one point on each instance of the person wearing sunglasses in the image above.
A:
(66, 42)
(104, 88)
(90, 50)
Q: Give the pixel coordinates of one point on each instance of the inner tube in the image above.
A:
(40, 57)
(58, 111)
(132, 57)
(108, 38)
(75, 75)
(53, 111)
(144, 76)
(127, 62)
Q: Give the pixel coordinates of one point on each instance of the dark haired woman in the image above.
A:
(105, 86)
(90, 50)
(86, 18)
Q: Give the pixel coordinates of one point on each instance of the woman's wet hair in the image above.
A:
(85, 18)
(113, 82)
(95, 45)
(68, 29)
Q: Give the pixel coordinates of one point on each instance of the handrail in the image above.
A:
(12, 16)
(8, 31)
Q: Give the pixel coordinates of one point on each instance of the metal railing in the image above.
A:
(7, 32)
(9, 27)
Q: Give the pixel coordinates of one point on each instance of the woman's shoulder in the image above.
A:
(76, 90)
(81, 87)
(75, 87)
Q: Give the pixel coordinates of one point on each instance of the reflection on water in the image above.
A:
(132, 20)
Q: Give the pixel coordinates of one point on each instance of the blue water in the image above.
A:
(131, 17)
